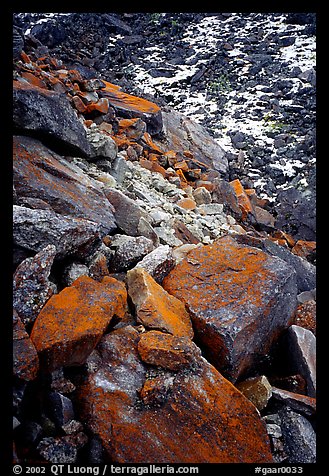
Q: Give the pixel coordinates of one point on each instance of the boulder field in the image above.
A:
(160, 314)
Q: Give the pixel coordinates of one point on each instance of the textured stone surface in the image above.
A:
(257, 389)
(41, 173)
(36, 229)
(71, 324)
(302, 350)
(167, 351)
(31, 286)
(239, 298)
(299, 437)
(300, 403)
(129, 250)
(158, 263)
(305, 316)
(155, 308)
(199, 416)
(48, 113)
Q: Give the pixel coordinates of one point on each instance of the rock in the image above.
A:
(305, 316)
(293, 383)
(25, 357)
(306, 296)
(71, 324)
(101, 145)
(60, 408)
(58, 450)
(201, 195)
(167, 351)
(131, 106)
(158, 262)
(228, 289)
(222, 426)
(182, 133)
(186, 203)
(49, 114)
(257, 389)
(264, 218)
(211, 209)
(59, 383)
(300, 403)
(98, 266)
(36, 229)
(18, 43)
(305, 271)
(224, 193)
(155, 308)
(299, 437)
(43, 174)
(127, 213)
(73, 271)
(305, 249)
(302, 351)
(129, 250)
(242, 199)
(31, 286)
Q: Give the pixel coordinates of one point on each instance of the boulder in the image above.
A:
(42, 174)
(102, 145)
(239, 298)
(155, 308)
(158, 263)
(299, 437)
(50, 114)
(31, 286)
(299, 403)
(35, 229)
(194, 415)
(129, 250)
(72, 322)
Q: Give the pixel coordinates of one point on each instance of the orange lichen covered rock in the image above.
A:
(167, 351)
(239, 298)
(72, 322)
(305, 316)
(243, 199)
(187, 203)
(305, 249)
(155, 308)
(191, 416)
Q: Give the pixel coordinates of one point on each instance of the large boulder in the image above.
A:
(50, 114)
(40, 173)
(147, 413)
(239, 298)
(72, 322)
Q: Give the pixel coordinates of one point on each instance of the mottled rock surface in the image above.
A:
(201, 417)
(239, 298)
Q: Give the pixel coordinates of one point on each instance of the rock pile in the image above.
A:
(159, 313)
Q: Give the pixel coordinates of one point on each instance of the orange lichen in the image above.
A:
(119, 99)
(242, 197)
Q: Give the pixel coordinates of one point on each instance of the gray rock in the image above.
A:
(299, 437)
(158, 263)
(72, 271)
(31, 286)
(25, 357)
(201, 195)
(302, 351)
(127, 213)
(35, 229)
(101, 145)
(58, 450)
(40, 173)
(129, 250)
(51, 114)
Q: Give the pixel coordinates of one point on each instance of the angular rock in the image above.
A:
(58, 450)
(127, 213)
(43, 174)
(224, 193)
(73, 271)
(300, 403)
(201, 195)
(155, 308)
(302, 351)
(299, 437)
(98, 266)
(239, 298)
(257, 389)
(131, 106)
(129, 250)
(61, 408)
(25, 357)
(71, 324)
(101, 145)
(199, 417)
(167, 351)
(31, 286)
(48, 113)
(36, 229)
(158, 263)
(242, 199)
